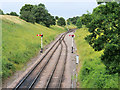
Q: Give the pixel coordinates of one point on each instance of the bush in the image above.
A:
(94, 75)
(13, 14)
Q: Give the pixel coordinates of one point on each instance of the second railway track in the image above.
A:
(56, 76)
(48, 73)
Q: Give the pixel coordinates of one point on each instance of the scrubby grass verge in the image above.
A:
(20, 42)
(92, 73)
(71, 26)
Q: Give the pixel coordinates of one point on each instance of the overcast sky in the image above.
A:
(61, 8)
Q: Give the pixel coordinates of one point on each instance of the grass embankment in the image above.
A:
(92, 72)
(20, 42)
(71, 26)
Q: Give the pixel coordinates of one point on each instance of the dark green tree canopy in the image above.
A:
(86, 18)
(105, 34)
(37, 13)
(42, 5)
(106, 1)
(73, 20)
(61, 21)
(13, 14)
(40, 13)
(79, 23)
(26, 14)
(27, 7)
(56, 17)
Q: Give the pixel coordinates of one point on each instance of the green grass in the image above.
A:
(20, 42)
(71, 26)
(92, 73)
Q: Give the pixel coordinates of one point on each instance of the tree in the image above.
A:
(61, 21)
(27, 7)
(49, 20)
(37, 13)
(79, 23)
(56, 17)
(68, 22)
(105, 31)
(1, 12)
(13, 14)
(42, 16)
(105, 1)
(86, 18)
(73, 20)
(26, 13)
(53, 20)
(40, 13)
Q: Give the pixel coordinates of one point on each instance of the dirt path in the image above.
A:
(69, 80)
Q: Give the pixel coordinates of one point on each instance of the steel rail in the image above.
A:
(27, 75)
(52, 73)
(60, 82)
(34, 81)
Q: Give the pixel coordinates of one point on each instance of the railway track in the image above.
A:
(48, 73)
(56, 76)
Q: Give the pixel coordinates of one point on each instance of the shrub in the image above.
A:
(13, 14)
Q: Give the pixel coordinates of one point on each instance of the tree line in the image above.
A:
(104, 27)
(72, 20)
(37, 14)
(11, 13)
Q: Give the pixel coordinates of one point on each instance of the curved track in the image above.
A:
(48, 73)
(56, 76)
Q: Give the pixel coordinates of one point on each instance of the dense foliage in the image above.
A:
(79, 23)
(103, 25)
(56, 17)
(26, 13)
(72, 20)
(61, 21)
(13, 14)
(93, 73)
(1, 12)
(86, 18)
(38, 14)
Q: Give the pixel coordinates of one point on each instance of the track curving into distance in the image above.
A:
(54, 79)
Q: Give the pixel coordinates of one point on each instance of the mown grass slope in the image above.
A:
(20, 42)
(92, 73)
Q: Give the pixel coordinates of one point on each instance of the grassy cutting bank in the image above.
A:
(20, 42)
(71, 26)
(92, 73)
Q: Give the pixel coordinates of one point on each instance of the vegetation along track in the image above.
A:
(55, 68)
